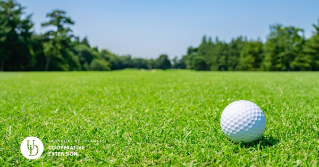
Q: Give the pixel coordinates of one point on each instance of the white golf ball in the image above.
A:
(243, 121)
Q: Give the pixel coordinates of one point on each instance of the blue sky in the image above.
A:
(148, 28)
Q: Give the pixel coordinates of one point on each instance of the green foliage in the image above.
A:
(179, 63)
(311, 49)
(126, 61)
(85, 55)
(57, 44)
(140, 63)
(284, 49)
(116, 62)
(151, 64)
(191, 53)
(235, 47)
(58, 20)
(218, 55)
(251, 56)
(162, 62)
(15, 38)
(38, 51)
(99, 65)
(199, 63)
(85, 41)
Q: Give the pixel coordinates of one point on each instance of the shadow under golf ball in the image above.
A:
(264, 141)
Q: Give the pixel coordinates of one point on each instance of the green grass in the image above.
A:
(158, 118)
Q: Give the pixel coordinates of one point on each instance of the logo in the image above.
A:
(31, 147)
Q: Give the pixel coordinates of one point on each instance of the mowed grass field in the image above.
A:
(157, 118)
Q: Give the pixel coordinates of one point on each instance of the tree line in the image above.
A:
(22, 49)
(285, 49)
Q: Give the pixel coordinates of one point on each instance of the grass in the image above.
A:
(158, 118)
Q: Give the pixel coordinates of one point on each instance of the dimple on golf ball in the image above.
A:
(243, 121)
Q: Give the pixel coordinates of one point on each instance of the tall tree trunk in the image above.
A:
(2, 65)
(48, 63)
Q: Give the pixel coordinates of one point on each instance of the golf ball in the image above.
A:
(243, 121)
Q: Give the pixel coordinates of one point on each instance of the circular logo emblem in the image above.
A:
(31, 147)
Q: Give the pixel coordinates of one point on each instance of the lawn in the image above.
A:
(134, 117)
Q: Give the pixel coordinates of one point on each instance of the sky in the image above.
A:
(148, 28)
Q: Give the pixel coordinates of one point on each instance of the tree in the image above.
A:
(175, 62)
(38, 50)
(162, 62)
(219, 55)
(139, 63)
(15, 37)
(179, 63)
(199, 63)
(85, 55)
(57, 44)
(234, 49)
(151, 64)
(116, 62)
(4, 29)
(203, 49)
(110, 57)
(85, 41)
(182, 62)
(251, 56)
(311, 49)
(99, 65)
(191, 53)
(284, 49)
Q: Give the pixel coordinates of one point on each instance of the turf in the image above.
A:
(158, 118)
